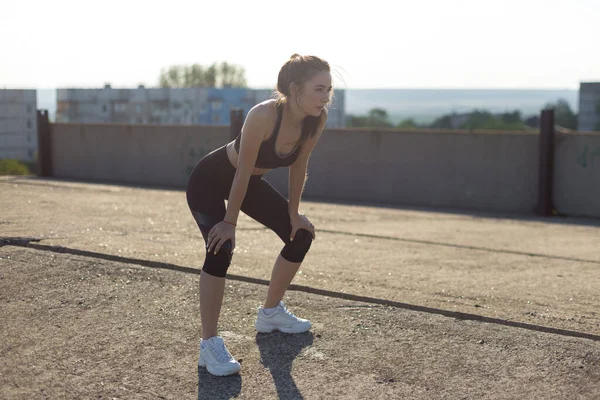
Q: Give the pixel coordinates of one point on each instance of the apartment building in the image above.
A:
(18, 124)
(177, 106)
(589, 107)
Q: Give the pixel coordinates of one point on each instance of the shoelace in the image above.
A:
(221, 353)
(288, 312)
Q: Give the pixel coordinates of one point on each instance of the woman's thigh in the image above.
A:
(267, 206)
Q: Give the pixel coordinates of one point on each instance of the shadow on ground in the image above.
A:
(212, 387)
(277, 353)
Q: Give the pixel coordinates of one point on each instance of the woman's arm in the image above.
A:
(297, 178)
(297, 173)
(253, 132)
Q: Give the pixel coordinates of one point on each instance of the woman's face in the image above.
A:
(315, 93)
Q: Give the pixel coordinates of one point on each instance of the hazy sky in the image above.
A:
(370, 44)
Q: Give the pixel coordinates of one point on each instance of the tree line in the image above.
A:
(476, 119)
(221, 75)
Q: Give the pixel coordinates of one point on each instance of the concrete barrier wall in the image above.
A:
(133, 154)
(492, 171)
(577, 174)
(484, 171)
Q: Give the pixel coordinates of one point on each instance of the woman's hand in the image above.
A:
(218, 235)
(300, 221)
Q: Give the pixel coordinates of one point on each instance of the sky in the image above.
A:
(459, 44)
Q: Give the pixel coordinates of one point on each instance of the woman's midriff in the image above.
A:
(233, 156)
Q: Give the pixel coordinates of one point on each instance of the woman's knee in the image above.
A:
(296, 250)
(218, 264)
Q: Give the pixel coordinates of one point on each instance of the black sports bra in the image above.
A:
(267, 153)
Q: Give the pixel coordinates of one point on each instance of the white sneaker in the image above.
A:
(281, 319)
(216, 358)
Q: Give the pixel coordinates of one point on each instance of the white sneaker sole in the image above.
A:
(218, 371)
(268, 328)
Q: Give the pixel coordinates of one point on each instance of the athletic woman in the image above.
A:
(277, 133)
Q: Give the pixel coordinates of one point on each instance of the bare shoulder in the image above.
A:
(259, 119)
(263, 112)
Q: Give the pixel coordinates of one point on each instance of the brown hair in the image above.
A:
(299, 69)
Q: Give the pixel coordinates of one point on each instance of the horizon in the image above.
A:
(401, 104)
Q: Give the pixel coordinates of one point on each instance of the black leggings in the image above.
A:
(208, 188)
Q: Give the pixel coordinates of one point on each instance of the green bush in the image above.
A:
(13, 167)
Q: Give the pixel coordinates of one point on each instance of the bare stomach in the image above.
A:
(233, 158)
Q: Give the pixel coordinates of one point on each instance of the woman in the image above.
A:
(277, 133)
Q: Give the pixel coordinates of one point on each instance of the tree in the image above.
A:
(407, 124)
(511, 117)
(486, 120)
(232, 76)
(196, 75)
(376, 118)
(444, 122)
(532, 121)
(563, 115)
(480, 120)
(355, 121)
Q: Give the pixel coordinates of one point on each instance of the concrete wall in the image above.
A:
(133, 154)
(577, 174)
(491, 171)
(485, 171)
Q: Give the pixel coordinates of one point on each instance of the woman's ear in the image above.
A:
(293, 89)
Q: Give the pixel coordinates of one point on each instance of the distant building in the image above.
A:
(589, 106)
(177, 106)
(18, 124)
